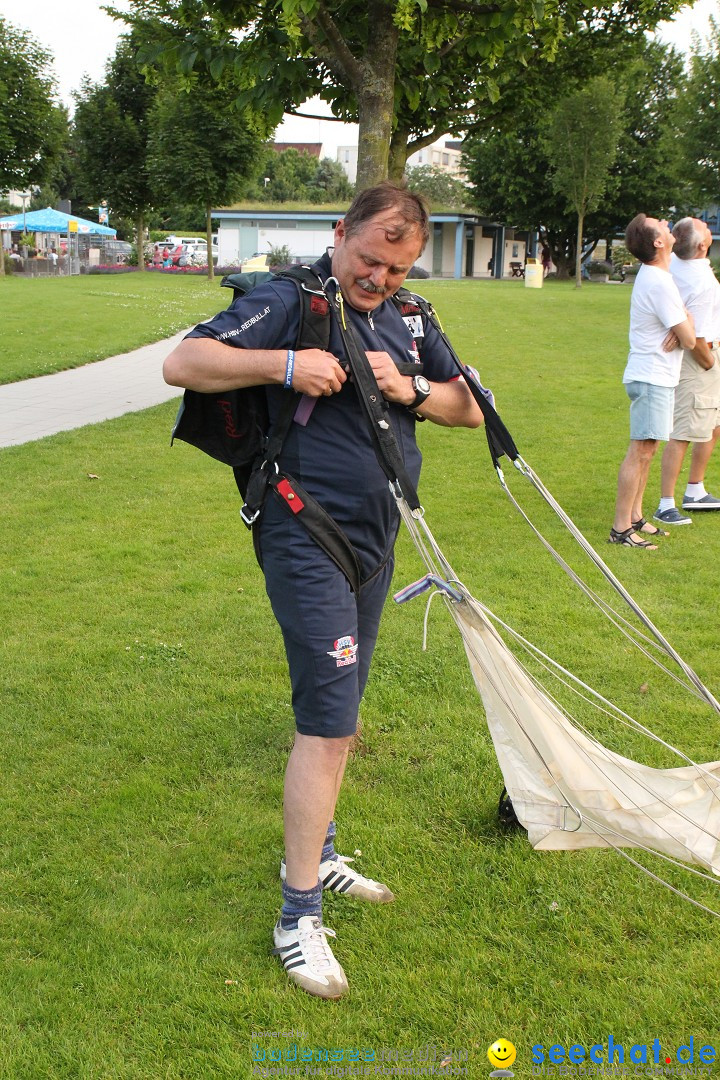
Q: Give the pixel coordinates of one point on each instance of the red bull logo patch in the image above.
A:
(345, 651)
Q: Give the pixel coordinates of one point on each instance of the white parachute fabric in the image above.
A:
(567, 789)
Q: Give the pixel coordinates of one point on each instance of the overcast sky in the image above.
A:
(81, 38)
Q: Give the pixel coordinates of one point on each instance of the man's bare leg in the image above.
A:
(701, 453)
(672, 459)
(632, 481)
(312, 781)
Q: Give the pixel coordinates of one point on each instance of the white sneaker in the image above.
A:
(337, 876)
(308, 959)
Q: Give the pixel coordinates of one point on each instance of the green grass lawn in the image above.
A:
(50, 324)
(146, 723)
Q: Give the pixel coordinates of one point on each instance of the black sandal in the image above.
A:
(639, 527)
(625, 538)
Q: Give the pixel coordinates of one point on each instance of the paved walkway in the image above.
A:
(34, 408)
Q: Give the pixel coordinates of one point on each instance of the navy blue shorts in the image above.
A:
(329, 632)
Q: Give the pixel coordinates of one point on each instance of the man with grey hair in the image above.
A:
(659, 325)
(696, 417)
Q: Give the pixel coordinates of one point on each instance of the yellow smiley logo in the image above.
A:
(501, 1054)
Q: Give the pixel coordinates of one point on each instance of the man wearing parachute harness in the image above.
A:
(331, 449)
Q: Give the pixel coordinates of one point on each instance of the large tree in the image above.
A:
(32, 124)
(112, 128)
(33, 127)
(699, 119)
(510, 163)
(198, 151)
(582, 132)
(407, 70)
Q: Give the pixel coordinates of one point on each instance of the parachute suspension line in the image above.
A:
(604, 830)
(567, 678)
(411, 521)
(434, 561)
(425, 542)
(508, 704)
(607, 573)
(631, 631)
(656, 877)
(619, 764)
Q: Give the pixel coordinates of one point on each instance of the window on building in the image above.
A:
(446, 159)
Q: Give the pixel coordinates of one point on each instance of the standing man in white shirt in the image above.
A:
(659, 325)
(697, 398)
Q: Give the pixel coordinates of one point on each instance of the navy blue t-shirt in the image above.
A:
(333, 456)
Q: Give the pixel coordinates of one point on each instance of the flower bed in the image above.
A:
(111, 268)
(194, 271)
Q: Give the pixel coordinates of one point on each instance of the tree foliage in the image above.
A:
(582, 132)
(408, 71)
(700, 120)
(511, 163)
(438, 187)
(199, 152)
(33, 126)
(112, 129)
(295, 176)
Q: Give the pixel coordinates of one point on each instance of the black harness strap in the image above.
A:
(500, 441)
(376, 410)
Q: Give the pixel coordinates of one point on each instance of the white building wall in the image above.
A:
(347, 156)
(302, 242)
(228, 244)
(238, 241)
(483, 254)
(438, 156)
(514, 252)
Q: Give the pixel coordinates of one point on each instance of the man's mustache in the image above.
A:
(368, 287)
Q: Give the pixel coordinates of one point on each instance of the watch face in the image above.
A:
(421, 384)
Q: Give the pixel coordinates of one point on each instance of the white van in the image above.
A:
(175, 240)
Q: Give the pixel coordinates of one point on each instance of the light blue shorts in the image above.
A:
(651, 410)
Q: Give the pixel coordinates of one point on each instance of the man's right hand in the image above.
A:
(317, 373)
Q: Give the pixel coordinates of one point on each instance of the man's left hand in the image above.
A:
(670, 341)
(395, 387)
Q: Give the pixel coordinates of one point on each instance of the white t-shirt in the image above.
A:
(700, 292)
(655, 306)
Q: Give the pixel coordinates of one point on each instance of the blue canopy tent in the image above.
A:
(52, 221)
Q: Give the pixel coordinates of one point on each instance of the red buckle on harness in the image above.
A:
(291, 498)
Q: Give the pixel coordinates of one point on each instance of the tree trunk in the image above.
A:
(2, 259)
(376, 97)
(208, 233)
(578, 253)
(397, 158)
(140, 240)
(375, 113)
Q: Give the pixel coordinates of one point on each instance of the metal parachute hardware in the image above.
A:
(567, 789)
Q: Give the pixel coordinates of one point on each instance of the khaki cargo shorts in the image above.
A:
(697, 400)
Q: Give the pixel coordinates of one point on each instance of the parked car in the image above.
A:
(198, 243)
(175, 240)
(117, 250)
(195, 254)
